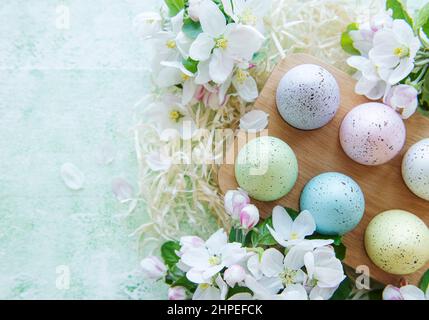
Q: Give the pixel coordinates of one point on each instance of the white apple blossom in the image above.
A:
(158, 161)
(153, 268)
(221, 44)
(394, 51)
(234, 274)
(177, 293)
(170, 117)
(369, 82)
(249, 217)
(403, 98)
(248, 12)
(217, 290)
(235, 201)
(324, 270)
(217, 253)
(245, 84)
(408, 292)
(288, 232)
(194, 8)
(261, 292)
(255, 120)
(147, 24)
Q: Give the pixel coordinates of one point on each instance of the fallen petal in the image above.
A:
(122, 189)
(254, 120)
(72, 176)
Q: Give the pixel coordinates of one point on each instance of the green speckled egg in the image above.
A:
(397, 241)
(266, 168)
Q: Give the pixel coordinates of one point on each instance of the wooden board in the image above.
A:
(320, 151)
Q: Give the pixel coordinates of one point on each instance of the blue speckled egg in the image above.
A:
(308, 97)
(336, 202)
(266, 168)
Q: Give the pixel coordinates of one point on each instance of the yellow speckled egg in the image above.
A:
(397, 241)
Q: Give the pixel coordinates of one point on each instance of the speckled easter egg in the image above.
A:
(415, 169)
(397, 241)
(266, 168)
(372, 134)
(308, 97)
(336, 202)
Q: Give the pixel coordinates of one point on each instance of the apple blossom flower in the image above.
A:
(194, 8)
(408, 292)
(288, 232)
(153, 268)
(177, 293)
(402, 98)
(255, 120)
(324, 270)
(234, 274)
(261, 292)
(188, 243)
(235, 201)
(245, 84)
(217, 290)
(148, 24)
(248, 12)
(171, 118)
(249, 217)
(369, 82)
(394, 51)
(217, 253)
(223, 44)
(158, 161)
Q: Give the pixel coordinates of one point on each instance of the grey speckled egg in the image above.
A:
(336, 202)
(372, 134)
(308, 97)
(415, 169)
(397, 241)
(266, 168)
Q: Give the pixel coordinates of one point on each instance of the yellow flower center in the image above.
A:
(401, 52)
(294, 236)
(171, 44)
(175, 116)
(185, 77)
(205, 286)
(222, 43)
(214, 261)
(288, 277)
(241, 76)
(248, 18)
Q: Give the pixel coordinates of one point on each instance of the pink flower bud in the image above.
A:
(234, 274)
(153, 268)
(177, 293)
(235, 201)
(249, 216)
(190, 242)
(402, 98)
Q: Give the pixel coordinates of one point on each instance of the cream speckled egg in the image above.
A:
(372, 134)
(308, 97)
(266, 168)
(397, 241)
(415, 169)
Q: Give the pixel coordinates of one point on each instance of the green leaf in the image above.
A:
(190, 65)
(261, 236)
(424, 97)
(399, 11)
(237, 289)
(340, 251)
(347, 41)
(344, 290)
(168, 253)
(376, 294)
(424, 282)
(422, 17)
(175, 6)
(184, 282)
(232, 235)
(191, 28)
(426, 29)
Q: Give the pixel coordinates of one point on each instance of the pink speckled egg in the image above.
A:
(372, 134)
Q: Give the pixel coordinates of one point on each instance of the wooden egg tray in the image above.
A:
(320, 151)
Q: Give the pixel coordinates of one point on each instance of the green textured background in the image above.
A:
(64, 95)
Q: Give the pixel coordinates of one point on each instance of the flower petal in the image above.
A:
(220, 67)
(294, 259)
(196, 276)
(318, 293)
(248, 89)
(304, 225)
(196, 258)
(294, 292)
(202, 47)
(189, 89)
(392, 293)
(168, 77)
(243, 41)
(401, 71)
(212, 20)
(73, 178)
(254, 120)
(272, 262)
(122, 189)
(411, 292)
(203, 74)
(282, 222)
(216, 242)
